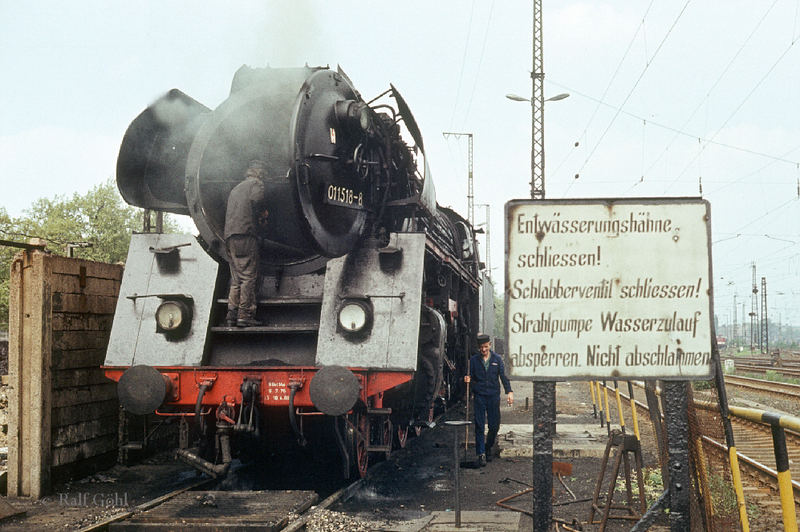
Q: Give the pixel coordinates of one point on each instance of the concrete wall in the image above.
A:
(62, 410)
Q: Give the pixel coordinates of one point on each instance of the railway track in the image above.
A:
(189, 507)
(786, 371)
(754, 449)
(779, 390)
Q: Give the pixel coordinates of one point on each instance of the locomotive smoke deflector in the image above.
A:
(152, 158)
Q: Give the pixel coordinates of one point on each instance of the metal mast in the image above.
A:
(544, 392)
(488, 260)
(764, 343)
(470, 195)
(537, 106)
(753, 312)
(744, 327)
(735, 333)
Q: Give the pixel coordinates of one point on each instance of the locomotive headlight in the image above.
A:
(173, 317)
(355, 316)
(353, 114)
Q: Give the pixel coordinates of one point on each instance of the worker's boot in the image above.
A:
(231, 317)
(247, 321)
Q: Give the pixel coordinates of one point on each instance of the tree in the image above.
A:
(99, 218)
(6, 254)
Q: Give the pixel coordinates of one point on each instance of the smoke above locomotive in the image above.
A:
(328, 179)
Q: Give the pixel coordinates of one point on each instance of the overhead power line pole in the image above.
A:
(754, 313)
(735, 334)
(544, 392)
(537, 106)
(487, 231)
(470, 194)
(764, 343)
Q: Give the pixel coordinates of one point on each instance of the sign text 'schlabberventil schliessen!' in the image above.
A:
(605, 289)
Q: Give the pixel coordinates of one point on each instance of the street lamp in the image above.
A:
(518, 98)
(537, 134)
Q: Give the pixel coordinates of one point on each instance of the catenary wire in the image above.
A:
(679, 131)
(463, 64)
(480, 60)
(633, 88)
(735, 111)
(713, 86)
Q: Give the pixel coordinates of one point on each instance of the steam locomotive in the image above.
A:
(368, 293)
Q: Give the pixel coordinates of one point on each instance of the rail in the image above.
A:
(779, 423)
(782, 390)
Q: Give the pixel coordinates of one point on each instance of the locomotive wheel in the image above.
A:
(387, 436)
(402, 436)
(362, 438)
(418, 429)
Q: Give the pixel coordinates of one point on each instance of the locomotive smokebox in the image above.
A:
(142, 389)
(311, 127)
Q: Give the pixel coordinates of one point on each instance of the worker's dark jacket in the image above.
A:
(485, 381)
(245, 202)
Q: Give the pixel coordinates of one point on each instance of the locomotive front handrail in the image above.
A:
(401, 295)
(168, 249)
(186, 297)
(322, 156)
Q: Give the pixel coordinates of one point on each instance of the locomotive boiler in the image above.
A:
(368, 290)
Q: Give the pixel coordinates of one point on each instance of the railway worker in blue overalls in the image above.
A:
(486, 371)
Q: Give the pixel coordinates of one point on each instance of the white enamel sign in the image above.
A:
(605, 289)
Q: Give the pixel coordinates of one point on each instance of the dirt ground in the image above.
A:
(410, 484)
(77, 504)
(419, 479)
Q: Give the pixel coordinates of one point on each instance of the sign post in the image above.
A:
(607, 289)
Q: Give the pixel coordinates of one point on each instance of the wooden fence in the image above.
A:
(63, 412)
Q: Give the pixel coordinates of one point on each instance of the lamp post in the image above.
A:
(544, 392)
(537, 138)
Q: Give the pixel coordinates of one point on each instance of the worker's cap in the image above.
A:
(256, 168)
(483, 339)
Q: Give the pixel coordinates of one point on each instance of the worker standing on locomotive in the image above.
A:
(485, 369)
(246, 211)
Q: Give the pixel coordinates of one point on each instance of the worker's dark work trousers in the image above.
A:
(243, 254)
(486, 406)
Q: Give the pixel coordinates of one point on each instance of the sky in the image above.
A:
(665, 98)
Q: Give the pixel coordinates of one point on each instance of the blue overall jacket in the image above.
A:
(485, 381)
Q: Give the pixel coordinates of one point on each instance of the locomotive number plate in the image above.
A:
(344, 197)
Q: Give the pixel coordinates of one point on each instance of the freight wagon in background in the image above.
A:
(369, 290)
